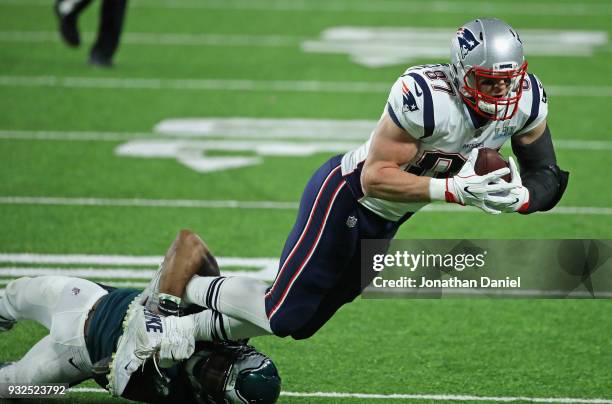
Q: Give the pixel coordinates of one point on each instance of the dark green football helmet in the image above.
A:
(233, 374)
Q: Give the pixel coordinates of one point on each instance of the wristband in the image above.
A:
(437, 189)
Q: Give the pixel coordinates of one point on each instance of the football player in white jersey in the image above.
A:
(87, 338)
(423, 149)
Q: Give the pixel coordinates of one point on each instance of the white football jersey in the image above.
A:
(426, 104)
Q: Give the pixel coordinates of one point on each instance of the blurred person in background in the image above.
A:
(112, 15)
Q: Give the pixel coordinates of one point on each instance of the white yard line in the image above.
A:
(199, 84)
(108, 269)
(373, 292)
(265, 273)
(117, 266)
(233, 204)
(140, 202)
(361, 135)
(248, 85)
(420, 397)
(387, 7)
(172, 39)
(125, 260)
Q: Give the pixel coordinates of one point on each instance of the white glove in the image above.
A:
(467, 188)
(519, 194)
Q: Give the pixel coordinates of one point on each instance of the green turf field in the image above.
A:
(66, 189)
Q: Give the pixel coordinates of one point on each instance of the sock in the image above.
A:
(238, 297)
(211, 325)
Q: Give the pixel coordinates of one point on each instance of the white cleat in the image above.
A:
(146, 334)
(150, 296)
(138, 342)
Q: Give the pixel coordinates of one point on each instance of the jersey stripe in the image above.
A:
(535, 101)
(393, 116)
(428, 110)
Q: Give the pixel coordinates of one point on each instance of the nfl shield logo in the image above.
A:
(76, 291)
(351, 222)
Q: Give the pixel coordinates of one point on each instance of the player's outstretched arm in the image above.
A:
(381, 176)
(187, 256)
(541, 176)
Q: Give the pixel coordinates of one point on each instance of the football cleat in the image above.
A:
(5, 323)
(146, 334)
(67, 12)
(124, 360)
(97, 60)
(150, 296)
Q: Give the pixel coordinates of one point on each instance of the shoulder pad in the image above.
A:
(533, 106)
(410, 105)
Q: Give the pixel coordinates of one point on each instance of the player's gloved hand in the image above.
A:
(519, 194)
(178, 341)
(468, 188)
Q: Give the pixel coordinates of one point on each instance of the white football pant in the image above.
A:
(61, 304)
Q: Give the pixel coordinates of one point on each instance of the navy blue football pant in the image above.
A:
(320, 266)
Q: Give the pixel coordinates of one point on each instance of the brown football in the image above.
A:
(490, 160)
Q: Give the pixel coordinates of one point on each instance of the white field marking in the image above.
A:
(172, 39)
(266, 273)
(301, 128)
(140, 202)
(72, 135)
(81, 259)
(432, 397)
(561, 210)
(386, 7)
(423, 292)
(264, 269)
(387, 46)
(125, 260)
(267, 128)
(260, 268)
(115, 284)
(233, 204)
(193, 153)
(249, 85)
(539, 40)
(252, 128)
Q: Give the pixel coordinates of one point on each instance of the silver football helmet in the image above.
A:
(488, 67)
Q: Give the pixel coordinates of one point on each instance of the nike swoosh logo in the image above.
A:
(71, 361)
(416, 89)
(128, 364)
(466, 189)
(515, 201)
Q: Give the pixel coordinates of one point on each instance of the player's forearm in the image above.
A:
(186, 257)
(394, 184)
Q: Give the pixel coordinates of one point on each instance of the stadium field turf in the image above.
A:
(80, 175)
